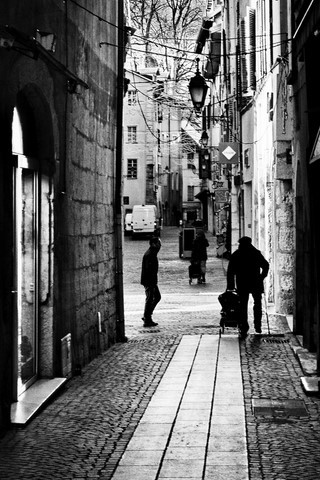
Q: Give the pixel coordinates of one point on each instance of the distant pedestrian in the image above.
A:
(199, 254)
(149, 279)
(246, 271)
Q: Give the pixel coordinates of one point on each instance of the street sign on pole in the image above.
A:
(221, 195)
(228, 152)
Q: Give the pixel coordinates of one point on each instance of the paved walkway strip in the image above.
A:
(194, 425)
(227, 454)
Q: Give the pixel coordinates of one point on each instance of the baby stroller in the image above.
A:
(230, 303)
(194, 272)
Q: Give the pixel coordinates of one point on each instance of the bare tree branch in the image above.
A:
(171, 23)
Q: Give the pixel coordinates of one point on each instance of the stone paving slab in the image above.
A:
(226, 472)
(182, 469)
(236, 443)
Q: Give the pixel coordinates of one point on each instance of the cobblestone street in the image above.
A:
(84, 431)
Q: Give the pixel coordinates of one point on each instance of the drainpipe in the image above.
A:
(169, 181)
(120, 330)
(239, 107)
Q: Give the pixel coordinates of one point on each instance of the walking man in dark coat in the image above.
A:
(149, 279)
(246, 271)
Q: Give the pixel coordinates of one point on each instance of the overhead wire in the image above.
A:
(148, 126)
(175, 57)
(178, 49)
(101, 19)
(217, 103)
(145, 38)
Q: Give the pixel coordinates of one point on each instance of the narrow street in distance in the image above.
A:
(182, 305)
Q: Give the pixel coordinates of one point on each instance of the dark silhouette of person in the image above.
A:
(246, 272)
(149, 279)
(199, 254)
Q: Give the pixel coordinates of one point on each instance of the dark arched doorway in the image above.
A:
(32, 167)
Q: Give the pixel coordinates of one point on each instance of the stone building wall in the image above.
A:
(88, 197)
(285, 247)
(67, 101)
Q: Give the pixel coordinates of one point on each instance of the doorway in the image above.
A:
(25, 272)
(26, 264)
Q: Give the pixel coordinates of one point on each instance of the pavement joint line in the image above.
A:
(186, 343)
(178, 407)
(211, 408)
(193, 342)
(195, 438)
(234, 416)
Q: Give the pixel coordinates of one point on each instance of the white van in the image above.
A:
(128, 224)
(145, 220)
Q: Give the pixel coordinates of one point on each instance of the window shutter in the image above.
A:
(252, 48)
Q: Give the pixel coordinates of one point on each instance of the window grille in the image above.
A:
(132, 97)
(132, 134)
(190, 193)
(132, 170)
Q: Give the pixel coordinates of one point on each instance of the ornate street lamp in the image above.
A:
(198, 89)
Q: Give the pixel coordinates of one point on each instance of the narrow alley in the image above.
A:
(177, 400)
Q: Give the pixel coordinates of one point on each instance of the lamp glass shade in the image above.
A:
(204, 139)
(198, 90)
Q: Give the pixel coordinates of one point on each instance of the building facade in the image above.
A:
(139, 142)
(270, 109)
(60, 201)
(191, 205)
(152, 144)
(256, 117)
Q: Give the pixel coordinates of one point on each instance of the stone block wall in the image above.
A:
(87, 230)
(285, 247)
(68, 102)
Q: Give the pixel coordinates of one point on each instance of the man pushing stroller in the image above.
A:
(246, 272)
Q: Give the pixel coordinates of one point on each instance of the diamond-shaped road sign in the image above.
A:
(228, 152)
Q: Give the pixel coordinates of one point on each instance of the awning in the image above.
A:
(16, 40)
(203, 34)
(188, 129)
(203, 195)
(213, 63)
